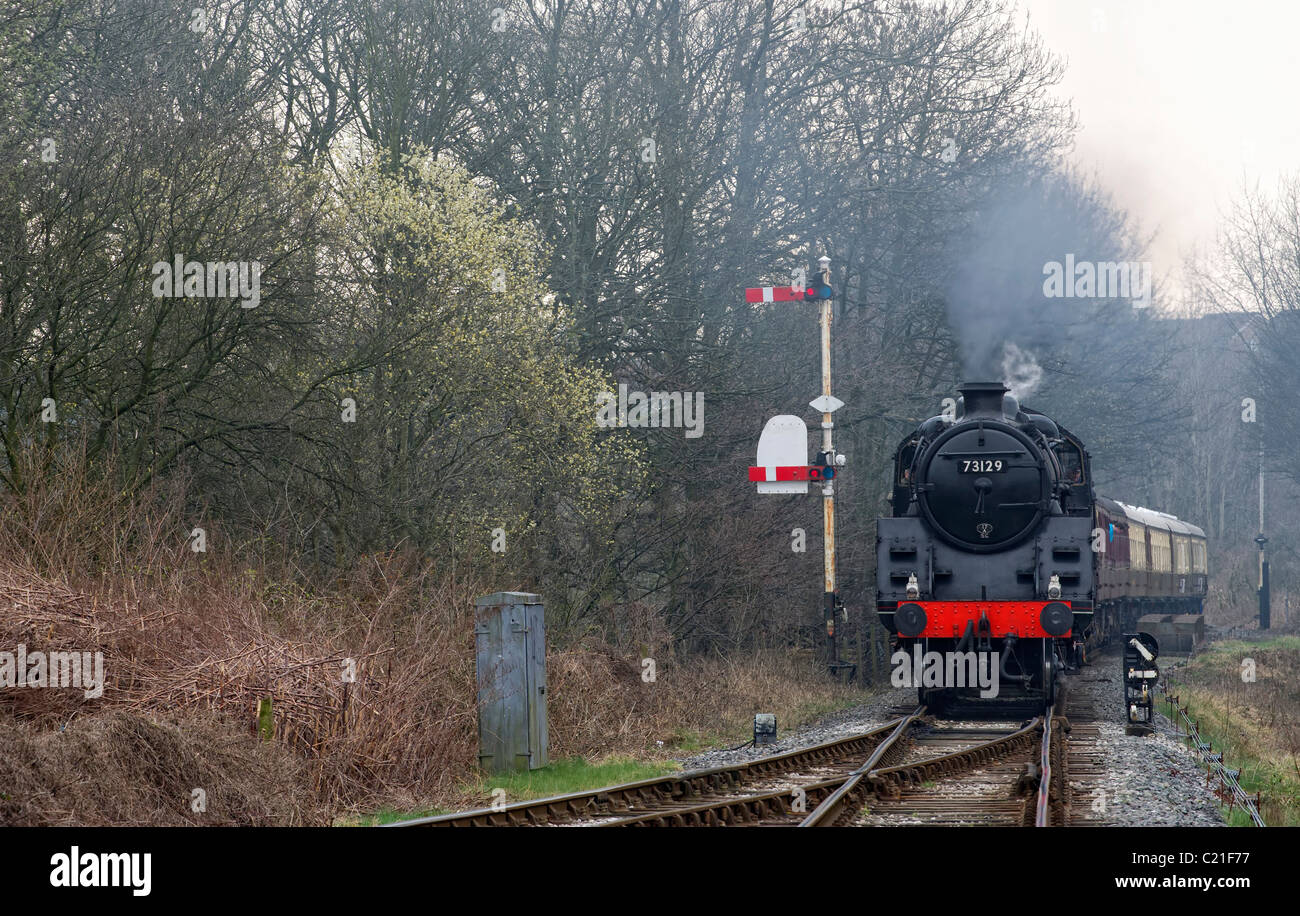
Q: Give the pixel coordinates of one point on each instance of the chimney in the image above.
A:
(982, 399)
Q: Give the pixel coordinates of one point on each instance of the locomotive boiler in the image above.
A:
(998, 546)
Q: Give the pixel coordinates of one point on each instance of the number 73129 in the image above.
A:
(982, 466)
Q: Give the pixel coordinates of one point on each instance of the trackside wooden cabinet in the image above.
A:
(510, 650)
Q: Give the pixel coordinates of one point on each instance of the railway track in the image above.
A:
(951, 773)
(1086, 801)
(914, 769)
(963, 773)
(776, 789)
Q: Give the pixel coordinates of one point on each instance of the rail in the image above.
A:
(1041, 816)
(829, 811)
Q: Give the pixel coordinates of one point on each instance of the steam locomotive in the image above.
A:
(997, 545)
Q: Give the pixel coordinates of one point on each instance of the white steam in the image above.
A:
(1020, 371)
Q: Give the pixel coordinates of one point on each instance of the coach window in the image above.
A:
(1137, 539)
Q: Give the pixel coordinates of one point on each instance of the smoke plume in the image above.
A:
(1020, 371)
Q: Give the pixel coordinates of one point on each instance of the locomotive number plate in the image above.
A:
(982, 466)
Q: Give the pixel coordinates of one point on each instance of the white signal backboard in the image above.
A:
(784, 443)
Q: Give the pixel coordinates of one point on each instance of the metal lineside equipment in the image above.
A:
(1140, 676)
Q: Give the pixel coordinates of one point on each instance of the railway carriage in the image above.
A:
(998, 544)
(1153, 563)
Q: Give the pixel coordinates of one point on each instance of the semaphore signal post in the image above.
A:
(783, 448)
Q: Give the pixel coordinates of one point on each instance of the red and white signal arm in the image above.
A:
(782, 456)
(775, 294)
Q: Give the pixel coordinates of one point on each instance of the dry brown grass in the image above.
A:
(120, 768)
(191, 642)
(600, 704)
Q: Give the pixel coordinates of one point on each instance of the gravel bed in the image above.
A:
(1153, 780)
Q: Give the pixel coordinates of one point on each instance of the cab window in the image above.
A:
(1067, 453)
(905, 456)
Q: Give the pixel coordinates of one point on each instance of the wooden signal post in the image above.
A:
(779, 439)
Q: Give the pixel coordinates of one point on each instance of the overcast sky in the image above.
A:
(1179, 101)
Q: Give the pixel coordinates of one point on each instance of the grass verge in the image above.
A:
(1243, 697)
(572, 774)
